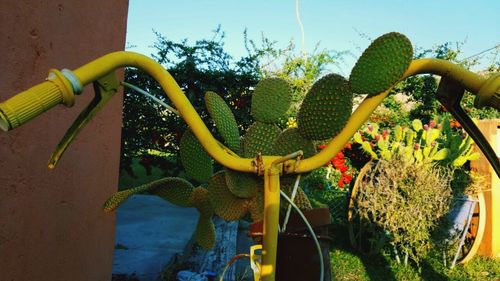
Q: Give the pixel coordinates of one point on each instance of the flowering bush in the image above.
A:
(329, 185)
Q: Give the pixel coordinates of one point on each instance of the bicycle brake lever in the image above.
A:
(450, 94)
(105, 88)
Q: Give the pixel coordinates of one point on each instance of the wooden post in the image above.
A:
(490, 245)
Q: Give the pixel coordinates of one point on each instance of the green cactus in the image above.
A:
(224, 120)
(382, 64)
(323, 114)
(195, 160)
(325, 109)
(179, 192)
(256, 205)
(205, 229)
(271, 100)
(259, 138)
(175, 190)
(420, 143)
(226, 205)
(242, 185)
(290, 141)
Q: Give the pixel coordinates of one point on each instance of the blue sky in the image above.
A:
(337, 25)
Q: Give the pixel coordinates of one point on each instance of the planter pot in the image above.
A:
(297, 258)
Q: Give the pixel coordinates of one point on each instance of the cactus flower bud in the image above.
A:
(385, 133)
(377, 137)
(417, 146)
(432, 123)
(426, 127)
(370, 128)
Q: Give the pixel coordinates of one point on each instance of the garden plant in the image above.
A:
(265, 156)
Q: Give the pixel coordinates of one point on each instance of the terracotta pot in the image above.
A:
(298, 258)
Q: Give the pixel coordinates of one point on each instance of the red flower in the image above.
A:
(340, 183)
(337, 163)
(346, 178)
(342, 169)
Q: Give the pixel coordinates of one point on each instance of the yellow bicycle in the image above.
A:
(380, 68)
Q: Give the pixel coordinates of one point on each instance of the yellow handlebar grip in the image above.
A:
(27, 105)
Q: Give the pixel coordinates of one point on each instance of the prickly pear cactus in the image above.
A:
(195, 160)
(259, 138)
(382, 64)
(325, 109)
(271, 100)
(178, 192)
(224, 120)
(323, 114)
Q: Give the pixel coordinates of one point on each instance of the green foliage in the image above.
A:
(224, 120)
(298, 69)
(290, 141)
(422, 89)
(321, 186)
(198, 67)
(243, 185)
(271, 100)
(393, 111)
(325, 109)
(195, 160)
(405, 201)
(226, 205)
(259, 138)
(347, 266)
(382, 64)
(429, 143)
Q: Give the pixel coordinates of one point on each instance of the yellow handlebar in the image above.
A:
(27, 105)
(59, 89)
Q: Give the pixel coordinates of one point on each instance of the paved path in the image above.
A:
(151, 230)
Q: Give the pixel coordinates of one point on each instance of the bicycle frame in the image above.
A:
(269, 166)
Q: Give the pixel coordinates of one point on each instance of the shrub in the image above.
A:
(405, 200)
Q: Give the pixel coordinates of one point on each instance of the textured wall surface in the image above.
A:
(51, 224)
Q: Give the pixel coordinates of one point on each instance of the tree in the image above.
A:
(300, 70)
(422, 89)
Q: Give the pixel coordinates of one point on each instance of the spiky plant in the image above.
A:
(324, 112)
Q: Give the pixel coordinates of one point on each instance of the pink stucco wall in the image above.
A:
(51, 223)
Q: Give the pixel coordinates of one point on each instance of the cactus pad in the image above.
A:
(201, 202)
(121, 196)
(224, 120)
(226, 205)
(271, 99)
(205, 232)
(256, 204)
(382, 64)
(243, 185)
(290, 141)
(325, 109)
(175, 190)
(259, 138)
(194, 158)
(300, 199)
